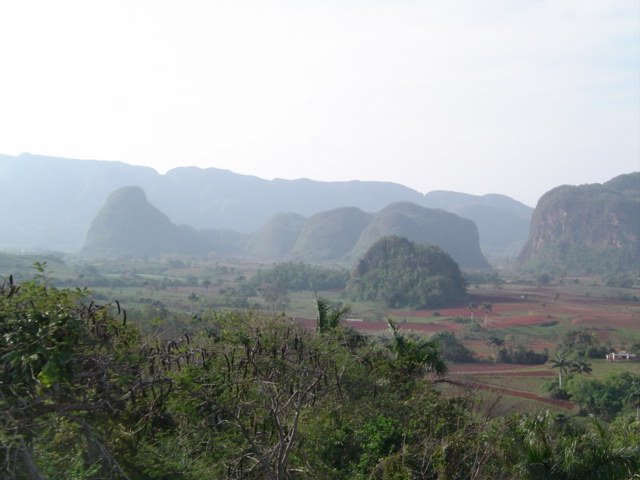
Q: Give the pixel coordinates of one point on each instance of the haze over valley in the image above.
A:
(337, 240)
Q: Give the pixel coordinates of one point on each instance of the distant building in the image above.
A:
(621, 357)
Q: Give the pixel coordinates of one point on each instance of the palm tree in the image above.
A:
(562, 363)
(329, 317)
(412, 355)
(551, 453)
(486, 308)
(581, 366)
(472, 306)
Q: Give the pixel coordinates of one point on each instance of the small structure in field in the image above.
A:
(621, 357)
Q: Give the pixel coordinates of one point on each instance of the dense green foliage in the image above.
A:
(605, 397)
(404, 274)
(297, 276)
(522, 355)
(84, 395)
(452, 349)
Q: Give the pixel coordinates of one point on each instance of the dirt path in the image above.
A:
(513, 393)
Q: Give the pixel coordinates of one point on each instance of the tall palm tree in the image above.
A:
(562, 363)
(581, 366)
(472, 306)
(486, 308)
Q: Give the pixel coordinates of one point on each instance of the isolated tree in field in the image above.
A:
(486, 308)
(562, 363)
(494, 342)
(472, 307)
(581, 366)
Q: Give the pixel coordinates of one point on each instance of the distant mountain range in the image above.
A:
(587, 228)
(128, 224)
(51, 202)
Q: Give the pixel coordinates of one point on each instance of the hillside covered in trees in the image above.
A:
(587, 229)
(405, 274)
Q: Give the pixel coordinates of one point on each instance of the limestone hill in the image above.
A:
(128, 224)
(587, 229)
(276, 238)
(456, 236)
(330, 235)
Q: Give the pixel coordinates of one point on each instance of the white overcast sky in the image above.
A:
(506, 96)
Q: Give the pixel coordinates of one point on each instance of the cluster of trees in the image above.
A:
(522, 355)
(405, 274)
(85, 395)
(581, 343)
(298, 276)
(607, 397)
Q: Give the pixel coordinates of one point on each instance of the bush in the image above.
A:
(522, 355)
(452, 349)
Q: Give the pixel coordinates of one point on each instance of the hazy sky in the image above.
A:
(510, 96)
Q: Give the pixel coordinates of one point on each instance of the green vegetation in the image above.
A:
(404, 274)
(453, 350)
(606, 397)
(85, 395)
(298, 276)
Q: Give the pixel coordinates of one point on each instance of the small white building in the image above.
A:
(621, 357)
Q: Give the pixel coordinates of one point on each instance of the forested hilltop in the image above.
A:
(85, 394)
(54, 200)
(587, 229)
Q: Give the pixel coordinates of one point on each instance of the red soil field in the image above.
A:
(518, 321)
